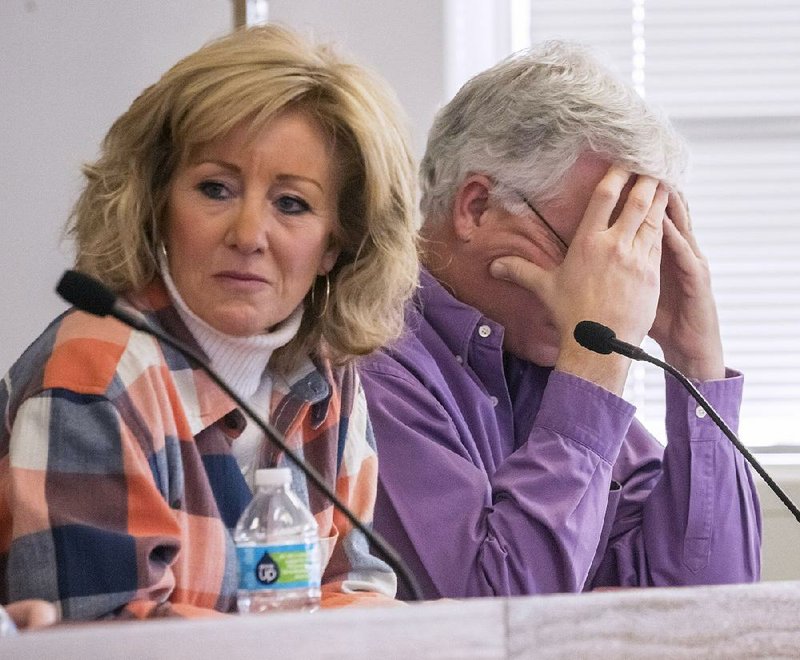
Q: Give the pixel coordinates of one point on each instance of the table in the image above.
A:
(736, 621)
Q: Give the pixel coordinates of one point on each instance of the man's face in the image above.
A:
(529, 329)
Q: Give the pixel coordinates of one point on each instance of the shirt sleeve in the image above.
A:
(355, 576)
(528, 524)
(89, 528)
(692, 515)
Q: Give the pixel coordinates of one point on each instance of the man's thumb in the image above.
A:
(517, 271)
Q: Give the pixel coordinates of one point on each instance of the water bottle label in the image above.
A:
(278, 566)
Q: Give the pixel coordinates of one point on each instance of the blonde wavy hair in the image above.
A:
(253, 74)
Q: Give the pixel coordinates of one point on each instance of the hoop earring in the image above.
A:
(327, 296)
(162, 258)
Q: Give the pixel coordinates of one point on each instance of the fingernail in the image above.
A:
(498, 269)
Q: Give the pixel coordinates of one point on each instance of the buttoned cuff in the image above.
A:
(585, 413)
(685, 417)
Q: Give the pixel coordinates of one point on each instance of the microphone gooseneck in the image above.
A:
(92, 296)
(602, 339)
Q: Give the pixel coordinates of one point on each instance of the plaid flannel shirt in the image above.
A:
(118, 489)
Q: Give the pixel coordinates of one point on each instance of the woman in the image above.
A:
(257, 203)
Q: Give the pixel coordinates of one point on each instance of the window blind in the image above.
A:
(727, 72)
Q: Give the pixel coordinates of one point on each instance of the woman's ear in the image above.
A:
(471, 202)
(329, 258)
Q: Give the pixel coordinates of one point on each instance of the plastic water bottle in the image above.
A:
(277, 545)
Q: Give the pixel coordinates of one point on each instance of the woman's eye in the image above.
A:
(291, 205)
(214, 190)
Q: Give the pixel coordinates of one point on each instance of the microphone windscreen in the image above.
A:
(594, 336)
(86, 293)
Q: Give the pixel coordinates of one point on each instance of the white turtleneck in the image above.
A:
(242, 363)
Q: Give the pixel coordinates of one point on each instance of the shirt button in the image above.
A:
(459, 359)
(484, 331)
(700, 412)
(493, 399)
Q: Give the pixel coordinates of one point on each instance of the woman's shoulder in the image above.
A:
(320, 381)
(83, 353)
(343, 378)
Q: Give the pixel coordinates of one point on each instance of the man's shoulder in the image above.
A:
(424, 352)
(406, 353)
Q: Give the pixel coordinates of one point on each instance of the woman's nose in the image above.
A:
(248, 228)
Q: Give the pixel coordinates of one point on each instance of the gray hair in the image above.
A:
(525, 121)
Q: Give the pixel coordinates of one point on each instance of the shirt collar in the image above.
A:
(454, 321)
(204, 402)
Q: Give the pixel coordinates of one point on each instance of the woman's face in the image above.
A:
(251, 223)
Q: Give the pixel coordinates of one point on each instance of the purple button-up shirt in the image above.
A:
(500, 477)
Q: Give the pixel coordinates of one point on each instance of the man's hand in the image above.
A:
(610, 274)
(686, 324)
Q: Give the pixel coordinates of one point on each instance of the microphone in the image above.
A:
(602, 339)
(92, 296)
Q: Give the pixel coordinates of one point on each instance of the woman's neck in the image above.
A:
(241, 361)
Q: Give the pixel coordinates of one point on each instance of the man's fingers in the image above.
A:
(643, 211)
(651, 228)
(603, 200)
(678, 212)
(519, 271)
(673, 239)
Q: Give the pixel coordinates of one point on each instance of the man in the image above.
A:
(509, 464)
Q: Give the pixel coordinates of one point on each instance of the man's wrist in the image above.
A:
(607, 371)
(702, 369)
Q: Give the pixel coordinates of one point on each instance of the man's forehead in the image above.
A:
(587, 172)
(589, 169)
(578, 186)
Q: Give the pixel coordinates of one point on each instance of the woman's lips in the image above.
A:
(241, 280)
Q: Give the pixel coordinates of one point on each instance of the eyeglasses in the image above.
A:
(544, 221)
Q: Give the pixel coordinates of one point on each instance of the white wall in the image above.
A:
(780, 555)
(402, 40)
(67, 69)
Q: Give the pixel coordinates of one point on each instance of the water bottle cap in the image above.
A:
(273, 477)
